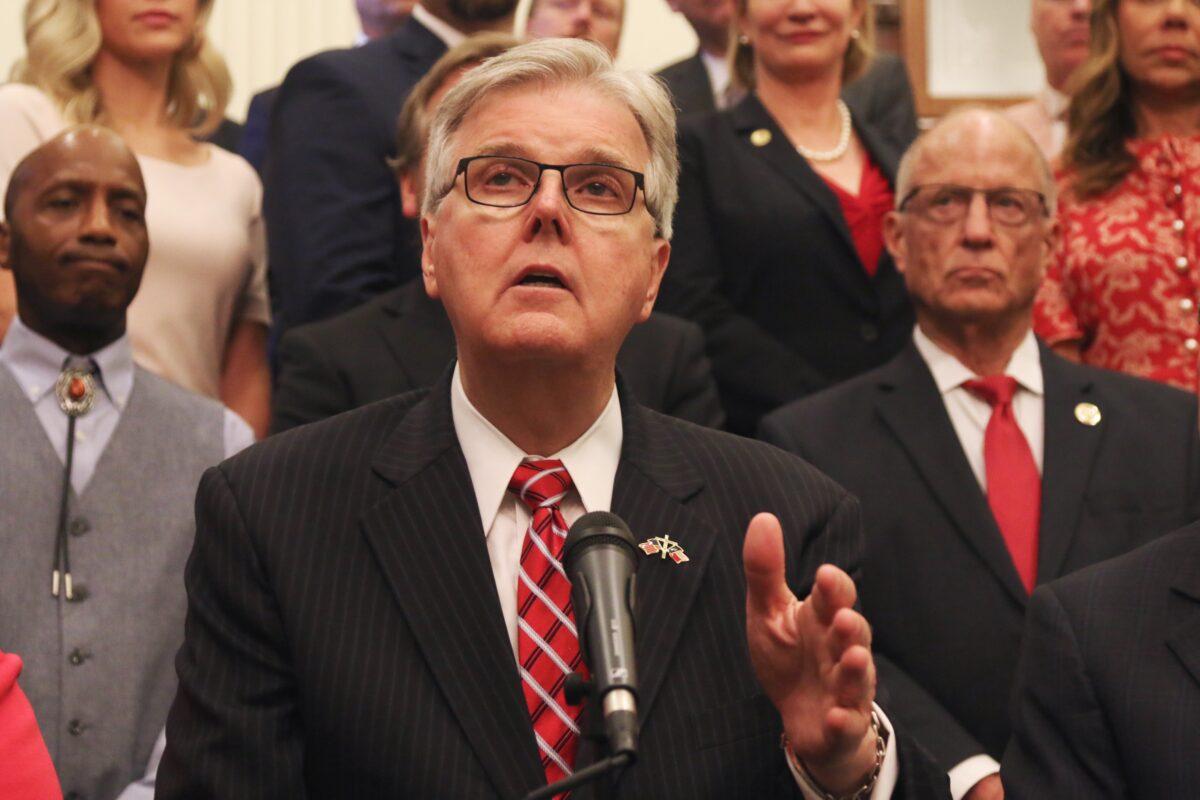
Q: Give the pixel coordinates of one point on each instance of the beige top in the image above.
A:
(207, 268)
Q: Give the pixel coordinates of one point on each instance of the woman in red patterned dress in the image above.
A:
(1123, 290)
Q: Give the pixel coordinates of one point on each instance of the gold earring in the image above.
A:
(855, 34)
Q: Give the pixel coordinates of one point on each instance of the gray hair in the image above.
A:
(912, 156)
(549, 62)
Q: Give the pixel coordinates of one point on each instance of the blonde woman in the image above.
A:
(145, 69)
(1123, 290)
(778, 249)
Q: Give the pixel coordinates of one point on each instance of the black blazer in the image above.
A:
(253, 144)
(882, 97)
(763, 259)
(1108, 684)
(402, 341)
(939, 587)
(332, 206)
(344, 637)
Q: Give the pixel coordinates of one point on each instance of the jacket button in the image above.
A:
(80, 526)
(77, 657)
(869, 332)
(75, 727)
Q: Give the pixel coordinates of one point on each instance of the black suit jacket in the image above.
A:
(941, 592)
(402, 341)
(334, 227)
(253, 144)
(344, 637)
(882, 97)
(763, 259)
(1108, 685)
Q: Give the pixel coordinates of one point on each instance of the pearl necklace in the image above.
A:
(840, 148)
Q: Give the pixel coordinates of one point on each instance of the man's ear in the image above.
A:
(893, 238)
(428, 269)
(5, 244)
(658, 266)
(410, 200)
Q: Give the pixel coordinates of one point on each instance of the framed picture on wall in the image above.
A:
(969, 51)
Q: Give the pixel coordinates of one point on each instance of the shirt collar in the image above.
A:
(36, 362)
(1025, 364)
(1054, 102)
(718, 71)
(492, 458)
(449, 35)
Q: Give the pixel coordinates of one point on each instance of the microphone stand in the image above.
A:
(577, 691)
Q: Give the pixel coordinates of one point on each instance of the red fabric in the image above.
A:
(1014, 488)
(1125, 281)
(865, 211)
(541, 485)
(25, 769)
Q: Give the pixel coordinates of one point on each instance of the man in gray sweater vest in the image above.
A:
(98, 467)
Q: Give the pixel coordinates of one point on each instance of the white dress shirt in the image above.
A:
(720, 79)
(449, 35)
(591, 460)
(36, 362)
(969, 416)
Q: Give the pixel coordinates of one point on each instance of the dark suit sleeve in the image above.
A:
(1061, 746)
(253, 145)
(883, 98)
(1193, 469)
(234, 729)
(756, 371)
(329, 198)
(692, 391)
(307, 388)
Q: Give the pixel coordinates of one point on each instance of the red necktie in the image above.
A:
(1014, 488)
(547, 644)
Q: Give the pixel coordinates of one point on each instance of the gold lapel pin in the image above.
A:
(664, 547)
(1088, 414)
(760, 137)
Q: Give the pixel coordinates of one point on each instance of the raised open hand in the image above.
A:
(813, 659)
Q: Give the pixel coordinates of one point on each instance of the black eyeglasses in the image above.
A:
(507, 182)
(948, 203)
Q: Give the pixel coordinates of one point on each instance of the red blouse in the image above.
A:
(25, 769)
(1125, 279)
(865, 211)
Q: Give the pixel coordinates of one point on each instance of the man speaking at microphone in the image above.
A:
(377, 606)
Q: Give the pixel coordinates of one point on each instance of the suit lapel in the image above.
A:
(418, 46)
(1069, 453)
(911, 406)
(412, 317)
(426, 528)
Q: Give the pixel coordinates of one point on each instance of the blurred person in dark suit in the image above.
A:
(377, 18)
(377, 602)
(597, 20)
(334, 227)
(986, 464)
(338, 364)
(1108, 683)
(779, 254)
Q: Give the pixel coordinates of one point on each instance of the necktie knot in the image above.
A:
(540, 483)
(996, 390)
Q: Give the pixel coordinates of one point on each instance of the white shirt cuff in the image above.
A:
(969, 772)
(889, 773)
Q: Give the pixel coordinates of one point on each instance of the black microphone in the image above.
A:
(599, 557)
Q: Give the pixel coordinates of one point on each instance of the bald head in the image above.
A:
(75, 237)
(73, 144)
(969, 137)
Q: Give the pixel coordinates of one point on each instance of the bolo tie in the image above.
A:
(76, 393)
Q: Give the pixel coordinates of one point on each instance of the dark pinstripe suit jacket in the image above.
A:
(344, 637)
(1108, 687)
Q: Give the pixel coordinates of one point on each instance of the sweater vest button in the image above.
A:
(80, 526)
(75, 727)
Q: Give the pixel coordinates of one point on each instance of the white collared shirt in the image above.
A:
(591, 460)
(969, 415)
(449, 35)
(35, 363)
(719, 78)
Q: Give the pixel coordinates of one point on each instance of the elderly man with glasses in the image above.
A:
(378, 605)
(985, 464)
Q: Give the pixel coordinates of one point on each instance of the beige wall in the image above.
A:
(262, 38)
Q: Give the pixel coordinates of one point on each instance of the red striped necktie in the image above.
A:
(1014, 487)
(547, 644)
